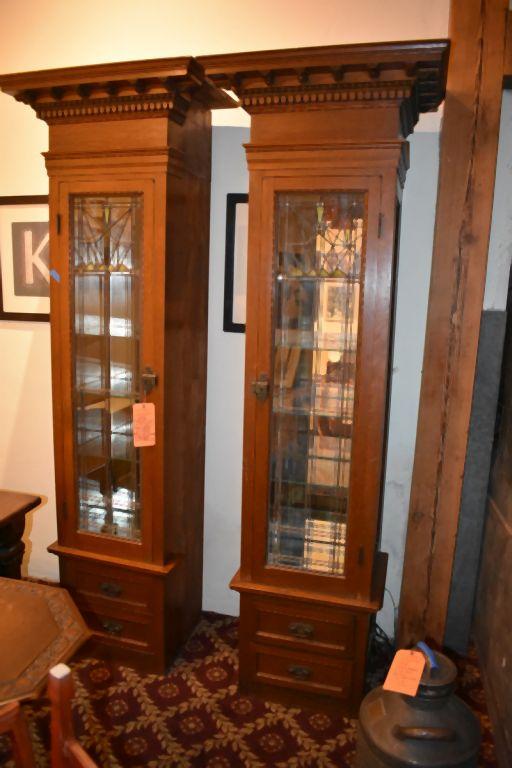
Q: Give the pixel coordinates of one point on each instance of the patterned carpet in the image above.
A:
(194, 716)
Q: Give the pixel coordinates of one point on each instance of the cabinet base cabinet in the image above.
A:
(133, 610)
(303, 653)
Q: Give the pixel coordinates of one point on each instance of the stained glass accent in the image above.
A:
(105, 266)
(319, 253)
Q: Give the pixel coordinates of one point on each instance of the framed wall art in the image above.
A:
(24, 258)
(235, 273)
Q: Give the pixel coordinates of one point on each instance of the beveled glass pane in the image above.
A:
(105, 263)
(319, 244)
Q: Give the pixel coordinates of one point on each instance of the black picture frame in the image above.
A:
(232, 200)
(20, 200)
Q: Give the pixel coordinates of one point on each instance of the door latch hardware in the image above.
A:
(149, 379)
(260, 387)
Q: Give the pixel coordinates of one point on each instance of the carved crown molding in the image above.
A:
(117, 91)
(412, 74)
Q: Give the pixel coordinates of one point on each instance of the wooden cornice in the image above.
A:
(412, 73)
(121, 90)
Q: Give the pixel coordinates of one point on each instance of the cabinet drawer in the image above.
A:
(292, 670)
(118, 628)
(334, 631)
(88, 581)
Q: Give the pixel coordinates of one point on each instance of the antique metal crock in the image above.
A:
(432, 729)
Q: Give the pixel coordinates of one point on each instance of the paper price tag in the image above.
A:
(143, 424)
(405, 672)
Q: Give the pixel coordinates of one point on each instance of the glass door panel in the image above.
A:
(319, 246)
(106, 265)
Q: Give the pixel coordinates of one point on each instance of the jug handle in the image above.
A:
(429, 653)
(423, 733)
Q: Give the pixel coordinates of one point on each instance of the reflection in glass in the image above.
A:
(319, 244)
(105, 263)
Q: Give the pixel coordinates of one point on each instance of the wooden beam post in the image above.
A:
(469, 143)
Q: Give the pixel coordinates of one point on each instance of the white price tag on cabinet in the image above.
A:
(143, 425)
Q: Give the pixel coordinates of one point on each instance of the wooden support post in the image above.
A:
(66, 752)
(469, 143)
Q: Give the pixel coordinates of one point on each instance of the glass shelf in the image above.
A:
(282, 277)
(84, 272)
(327, 341)
(118, 327)
(106, 260)
(319, 255)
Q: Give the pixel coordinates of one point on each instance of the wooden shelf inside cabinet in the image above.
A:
(129, 163)
(327, 160)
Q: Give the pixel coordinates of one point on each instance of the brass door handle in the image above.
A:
(260, 387)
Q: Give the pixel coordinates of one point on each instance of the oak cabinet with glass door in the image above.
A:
(327, 159)
(129, 168)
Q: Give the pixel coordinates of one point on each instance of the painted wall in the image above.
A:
(91, 32)
(500, 243)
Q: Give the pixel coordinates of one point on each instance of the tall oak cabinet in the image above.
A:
(129, 168)
(327, 159)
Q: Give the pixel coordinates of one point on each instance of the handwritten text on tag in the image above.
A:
(143, 424)
(405, 672)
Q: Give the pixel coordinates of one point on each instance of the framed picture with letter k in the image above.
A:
(24, 258)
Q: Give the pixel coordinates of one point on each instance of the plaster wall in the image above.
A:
(59, 33)
(500, 242)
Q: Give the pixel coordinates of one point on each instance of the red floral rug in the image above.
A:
(194, 715)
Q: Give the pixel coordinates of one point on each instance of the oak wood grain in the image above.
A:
(469, 143)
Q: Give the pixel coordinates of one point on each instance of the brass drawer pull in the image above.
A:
(112, 627)
(302, 630)
(110, 590)
(300, 673)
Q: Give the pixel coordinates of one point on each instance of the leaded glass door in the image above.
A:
(313, 375)
(106, 264)
(319, 244)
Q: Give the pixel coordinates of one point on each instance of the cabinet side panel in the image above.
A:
(188, 194)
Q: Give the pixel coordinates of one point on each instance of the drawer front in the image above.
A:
(299, 671)
(332, 631)
(118, 628)
(89, 582)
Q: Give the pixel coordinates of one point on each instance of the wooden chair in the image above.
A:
(66, 752)
(12, 722)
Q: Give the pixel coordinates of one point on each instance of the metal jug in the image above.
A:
(432, 729)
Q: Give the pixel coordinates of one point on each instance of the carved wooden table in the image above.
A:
(40, 626)
(13, 508)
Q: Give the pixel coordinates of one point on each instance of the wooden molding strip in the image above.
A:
(469, 144)
(507, 70)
